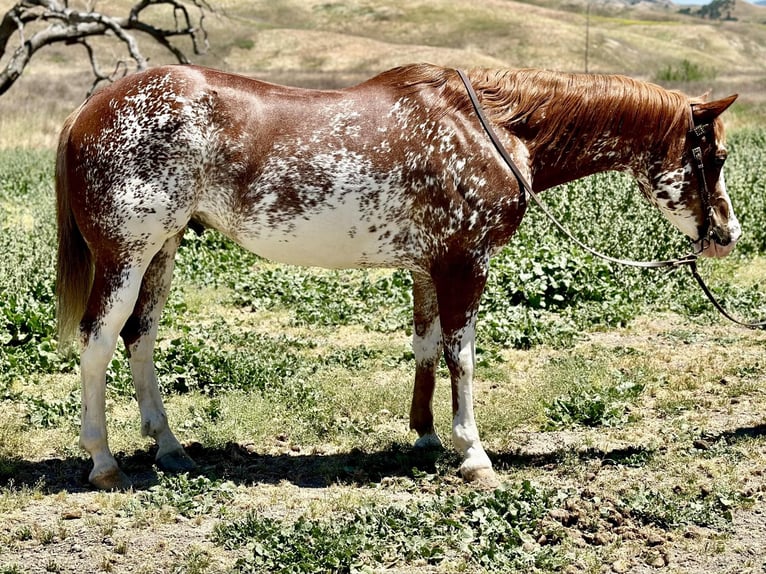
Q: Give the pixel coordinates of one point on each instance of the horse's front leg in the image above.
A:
(427, 347)
(139, 335)
(459, 287)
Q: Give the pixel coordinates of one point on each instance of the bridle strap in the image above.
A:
(526, 188)
(717, 305)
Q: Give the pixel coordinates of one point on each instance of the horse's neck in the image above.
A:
(576, 125)
(584, 155)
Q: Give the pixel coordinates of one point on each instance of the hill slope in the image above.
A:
(316, 35)
(331, 43)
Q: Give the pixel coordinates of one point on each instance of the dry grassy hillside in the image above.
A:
(335, 43)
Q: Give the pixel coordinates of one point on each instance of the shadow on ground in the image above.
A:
(241, 465)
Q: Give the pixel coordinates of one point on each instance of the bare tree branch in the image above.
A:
(31, 25)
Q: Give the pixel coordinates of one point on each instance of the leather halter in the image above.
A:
(697, 132)
(696, 135)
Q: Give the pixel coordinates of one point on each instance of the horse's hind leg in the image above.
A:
(427, 347)
(113, 295)
(139, 335)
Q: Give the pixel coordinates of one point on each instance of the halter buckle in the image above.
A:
(697, 153)
(700, 130)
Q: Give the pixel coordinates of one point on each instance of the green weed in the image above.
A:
(598, 395)
(477, 529)
(189, 496)
(592, 407)
(670, 509)
(50, 413)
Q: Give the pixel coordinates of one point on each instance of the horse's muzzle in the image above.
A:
(721, 243)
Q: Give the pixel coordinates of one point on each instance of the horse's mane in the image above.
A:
(555, 105)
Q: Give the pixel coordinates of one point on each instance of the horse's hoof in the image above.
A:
(112, 479)
(429, 441)
(484, 478)
(176, 461)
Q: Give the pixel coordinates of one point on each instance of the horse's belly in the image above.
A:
(333, 237)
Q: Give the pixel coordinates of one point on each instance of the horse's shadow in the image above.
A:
(239, 464)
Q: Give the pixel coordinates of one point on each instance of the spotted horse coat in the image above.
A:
(394, 172)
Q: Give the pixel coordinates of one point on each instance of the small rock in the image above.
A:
(701, 444)
(667, 555)
(620, 566)
(654, 539)
(107, 541)
(601, 539)
(578, 540)
(75, 549)
(656, 560)
(561, 515)
(72, 514)
(627, 532)
(693, 532)
(616, 518)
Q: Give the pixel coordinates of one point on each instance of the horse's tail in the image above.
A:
(74, 266)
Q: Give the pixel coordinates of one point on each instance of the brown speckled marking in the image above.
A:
(394, 172)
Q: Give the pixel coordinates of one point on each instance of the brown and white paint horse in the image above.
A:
(394, 172)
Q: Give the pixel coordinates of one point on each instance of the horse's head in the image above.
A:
(687, 184)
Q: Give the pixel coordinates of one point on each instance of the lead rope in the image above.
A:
(690, 259)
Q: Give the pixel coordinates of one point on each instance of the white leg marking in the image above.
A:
(94, 361)
(154, 420)
(465, 435)
(427, 349)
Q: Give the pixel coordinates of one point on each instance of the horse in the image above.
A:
(395, 172)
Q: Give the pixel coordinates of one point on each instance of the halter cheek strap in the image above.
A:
(696, 135)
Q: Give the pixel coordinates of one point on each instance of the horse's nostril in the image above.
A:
(720, 236)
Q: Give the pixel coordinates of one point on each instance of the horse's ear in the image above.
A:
(706, 111)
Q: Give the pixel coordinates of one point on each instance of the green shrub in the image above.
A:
(685, 71)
